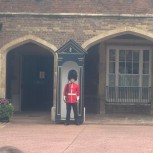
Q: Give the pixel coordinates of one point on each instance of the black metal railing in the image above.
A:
(140, 95)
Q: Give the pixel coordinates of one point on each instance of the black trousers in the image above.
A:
(68, 108)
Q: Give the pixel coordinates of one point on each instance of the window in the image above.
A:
(128, 74)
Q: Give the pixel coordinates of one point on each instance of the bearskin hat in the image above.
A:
(72, 74)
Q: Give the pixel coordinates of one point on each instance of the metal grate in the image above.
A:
(140, 95)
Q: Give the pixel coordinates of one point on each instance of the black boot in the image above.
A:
(77, 122)
(67, 123)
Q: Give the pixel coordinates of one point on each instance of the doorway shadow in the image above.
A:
(31, 117)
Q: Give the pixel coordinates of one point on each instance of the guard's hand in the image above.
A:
(78, 98)
(64, 98)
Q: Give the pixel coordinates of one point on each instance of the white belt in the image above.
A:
(71, 94)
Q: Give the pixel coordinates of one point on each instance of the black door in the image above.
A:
(37, 83)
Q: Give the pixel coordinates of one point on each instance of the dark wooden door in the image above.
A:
(37, 83)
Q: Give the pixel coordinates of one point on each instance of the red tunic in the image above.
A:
(71, 92)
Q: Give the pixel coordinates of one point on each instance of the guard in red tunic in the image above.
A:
(71, 96)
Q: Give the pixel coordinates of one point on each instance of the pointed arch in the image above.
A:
(18, 42)
(117, 32)
(25, 39)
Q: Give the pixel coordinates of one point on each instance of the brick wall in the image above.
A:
(79, 6)
(58, 30)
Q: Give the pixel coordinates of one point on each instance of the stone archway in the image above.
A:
(16, 43)
(117, 32)
(101, 39)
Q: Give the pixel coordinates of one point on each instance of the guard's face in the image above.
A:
(72, 81)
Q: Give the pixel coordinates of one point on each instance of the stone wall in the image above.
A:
(57, 30)
(52, 31)
(78, 6)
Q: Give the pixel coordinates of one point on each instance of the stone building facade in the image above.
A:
(117, 34)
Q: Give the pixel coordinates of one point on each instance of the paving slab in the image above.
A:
(119, 119)
(34, 132)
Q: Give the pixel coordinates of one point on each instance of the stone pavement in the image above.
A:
(118, 119)
(34, 133)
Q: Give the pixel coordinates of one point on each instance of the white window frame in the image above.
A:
(117, 48)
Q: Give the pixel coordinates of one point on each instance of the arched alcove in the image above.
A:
(23, 55)
(98, 66)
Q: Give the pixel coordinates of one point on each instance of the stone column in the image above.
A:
(53, 109)
(2, 75)
(102, 77)
(151, 111)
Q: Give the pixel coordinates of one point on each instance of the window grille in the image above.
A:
(128, 74)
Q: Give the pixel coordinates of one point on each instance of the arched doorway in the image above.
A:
(29, 77)
(118, 71)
